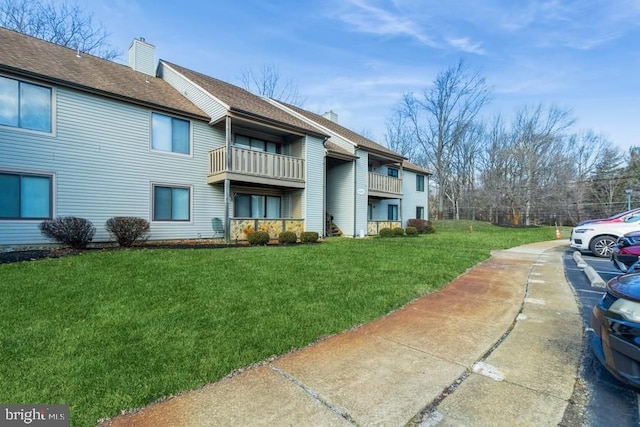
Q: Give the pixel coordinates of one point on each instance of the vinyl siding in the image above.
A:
(104, 167)
(362, 182)
(411, 197)
(313, 200)
(193, 93)
(340, 195)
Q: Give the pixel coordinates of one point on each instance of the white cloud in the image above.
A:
(466, 45)
(367, 18)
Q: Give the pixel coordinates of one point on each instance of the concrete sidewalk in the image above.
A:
(499, 346)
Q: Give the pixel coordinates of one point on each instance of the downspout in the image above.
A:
(227, 182)
(355, 196)
(324, 189)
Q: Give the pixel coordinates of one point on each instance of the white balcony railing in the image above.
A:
(256, 163)
(384, 184)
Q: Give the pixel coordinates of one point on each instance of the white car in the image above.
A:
(599, 237)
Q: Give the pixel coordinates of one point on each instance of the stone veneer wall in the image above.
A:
(241, 227)
(374, 227)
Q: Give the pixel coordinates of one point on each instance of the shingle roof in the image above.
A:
(242, 101)
(343, 131)
(415, 168)
(339, 151)
(35, 58)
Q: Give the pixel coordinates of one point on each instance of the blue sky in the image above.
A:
(358, 57)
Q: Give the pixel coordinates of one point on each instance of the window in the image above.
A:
(419, 182)
(170, 134)
(257, 144)
(392, 172)
(24, 196)
(256, 206)
(392, 212)
(420, 212)
(171, 203)
(25, 105)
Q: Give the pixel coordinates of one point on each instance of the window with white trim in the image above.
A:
(170, 134)
(420, 212)
(25, 105)
(420, 183)
(25, 196)
(171, 203)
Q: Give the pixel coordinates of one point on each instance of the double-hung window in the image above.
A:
(393, 172)
(25, 105)
(171, 203)
(170, 134)
(256, 206)
(25, 196)
(420, 212)
(419, 182)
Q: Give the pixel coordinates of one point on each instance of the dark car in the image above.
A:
(626, 251)
(616, 325)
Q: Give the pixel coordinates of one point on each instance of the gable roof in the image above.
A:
(243, 103)
(345, 133)
(48, 62)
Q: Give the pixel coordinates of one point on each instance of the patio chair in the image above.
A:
(218, 227)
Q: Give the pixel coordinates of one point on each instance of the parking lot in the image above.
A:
(609, 402)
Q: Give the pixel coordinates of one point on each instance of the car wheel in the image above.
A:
(601, 246)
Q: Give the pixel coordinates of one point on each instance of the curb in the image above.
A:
(592, 275)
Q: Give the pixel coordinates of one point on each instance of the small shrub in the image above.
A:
(287, 237)
(309, 237)
(411, 231)
(69, 230)
(258, 238)
(127, 229)
(385, 232)
(422, 225)
(398, 232)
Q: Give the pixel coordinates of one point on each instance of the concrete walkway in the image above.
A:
(499, 346)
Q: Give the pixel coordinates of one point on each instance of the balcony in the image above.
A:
(384, 186)
(256, 167)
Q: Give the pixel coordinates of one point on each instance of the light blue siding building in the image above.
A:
(82, 136)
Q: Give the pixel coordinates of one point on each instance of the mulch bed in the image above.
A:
(35, 254)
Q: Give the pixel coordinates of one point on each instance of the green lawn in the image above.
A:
(111, 330)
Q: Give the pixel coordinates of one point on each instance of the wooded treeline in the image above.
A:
(534, 168)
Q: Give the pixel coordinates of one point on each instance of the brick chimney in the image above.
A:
(142, 56)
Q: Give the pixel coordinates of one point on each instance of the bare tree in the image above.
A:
(267, 82)
(442, 116)
(59, 23)
(399, 137)
(539, 143)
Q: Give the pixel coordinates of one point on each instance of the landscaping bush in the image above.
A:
(258, 238)
(127, 229)
(309, 237)
(398, 232)
(422, 225)
(69, 230)
(411, 231)
(385, 232)
(287, 237)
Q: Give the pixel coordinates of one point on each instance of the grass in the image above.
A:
(110, 330)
